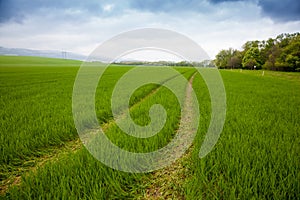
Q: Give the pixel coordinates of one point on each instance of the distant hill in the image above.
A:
(36, 61)
(41, 53)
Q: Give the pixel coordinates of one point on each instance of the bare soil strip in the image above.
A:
(167, 182)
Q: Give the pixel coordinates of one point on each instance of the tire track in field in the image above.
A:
(55, 152)
(167, 182)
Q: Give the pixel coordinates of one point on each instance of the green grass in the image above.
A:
(37, 112)
(257, 155)
(25, 61)
(53, 172)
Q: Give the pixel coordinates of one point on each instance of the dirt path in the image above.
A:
(167, 182)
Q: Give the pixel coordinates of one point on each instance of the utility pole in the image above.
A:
(64, 55)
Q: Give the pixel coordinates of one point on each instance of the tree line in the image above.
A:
(281, 54)
(205, 63)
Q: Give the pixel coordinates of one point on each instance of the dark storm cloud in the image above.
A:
(17, 10)
(9, 10)
(281, 10)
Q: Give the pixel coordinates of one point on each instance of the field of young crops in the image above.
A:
(257, 155)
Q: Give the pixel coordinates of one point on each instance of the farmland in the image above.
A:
(257, 155)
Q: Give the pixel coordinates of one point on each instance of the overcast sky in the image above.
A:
(80, 26)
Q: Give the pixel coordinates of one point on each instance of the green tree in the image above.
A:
(235, 61)
(289, 58)
(281, 53)
(222, 58)
(267, 48)
(272, 54)
(230, 58)
(250, 44)
(252, 58)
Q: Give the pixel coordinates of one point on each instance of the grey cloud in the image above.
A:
(17, 10)
(166, 5)
(222, 1)
(279, 10)
(10, 11)
(287, 10)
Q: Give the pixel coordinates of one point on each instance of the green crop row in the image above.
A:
(79, 175)
(257, 155)
(37, 112)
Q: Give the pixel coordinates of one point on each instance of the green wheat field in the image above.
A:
(41, 157)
